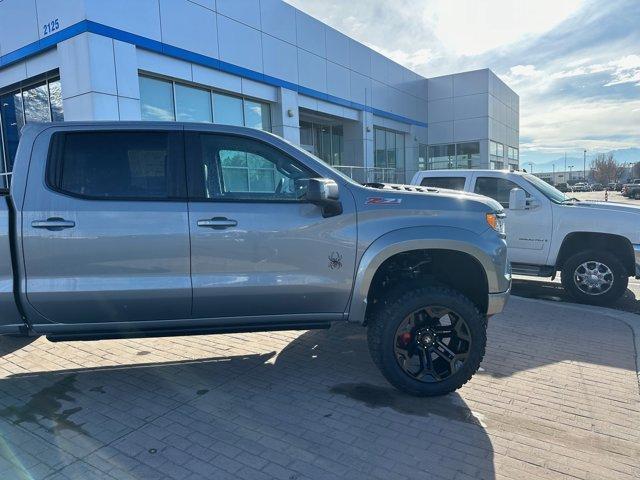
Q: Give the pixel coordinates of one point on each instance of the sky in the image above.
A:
(574, 63)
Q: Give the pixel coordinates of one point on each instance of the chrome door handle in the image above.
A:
(53, 223)
(217, 223)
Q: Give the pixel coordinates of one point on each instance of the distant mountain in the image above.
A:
(623, 155)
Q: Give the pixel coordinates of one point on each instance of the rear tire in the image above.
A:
(576, 277)
(636, 196)
(453, 357)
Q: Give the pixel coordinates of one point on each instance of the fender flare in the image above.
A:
(414, 238)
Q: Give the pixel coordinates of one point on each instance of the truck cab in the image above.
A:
(596, 245)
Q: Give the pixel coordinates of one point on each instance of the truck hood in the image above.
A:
(609, 206)
(399, 191)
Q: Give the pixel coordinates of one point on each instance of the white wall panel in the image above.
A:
(245, 11)
(338, 83)
(337, 47)
(470, 129)
(13, 74)
(359, 58)
(279, 59)
(18, 24)
(126, 63)
(156, 63)
(471, 106)
(312, 71)
(310, 34)
(440, 110)
(216, 79)
(440, 133)
(468, 83)
(440, 87)
(239, 44)
(360, 88)
(278, 19)
(42, 63)
(67, 12)
(189, 26)
(141, 17)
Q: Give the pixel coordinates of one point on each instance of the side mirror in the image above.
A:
(324, 192)
(517, 199)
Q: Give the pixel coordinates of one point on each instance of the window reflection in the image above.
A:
(227, 110)
(156, 99)
(193, 104)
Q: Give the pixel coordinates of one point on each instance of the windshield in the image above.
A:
(547, 190)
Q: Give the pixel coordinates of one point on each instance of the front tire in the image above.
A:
(428, 341)
(595, 278)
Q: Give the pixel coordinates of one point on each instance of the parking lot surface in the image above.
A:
(557, 397)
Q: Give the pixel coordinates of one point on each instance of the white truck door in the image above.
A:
(528, 231)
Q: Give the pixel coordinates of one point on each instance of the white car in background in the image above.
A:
(595, 245)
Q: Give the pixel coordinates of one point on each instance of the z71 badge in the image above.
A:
(383, 201)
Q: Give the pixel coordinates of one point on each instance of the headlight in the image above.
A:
(496, 221)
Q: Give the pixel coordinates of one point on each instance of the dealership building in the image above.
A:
(259, 63)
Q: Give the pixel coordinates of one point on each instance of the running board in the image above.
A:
(174, 332)
(533, 270)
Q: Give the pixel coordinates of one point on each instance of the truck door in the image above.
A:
(528, 231)
(104, 226)
(257, 249)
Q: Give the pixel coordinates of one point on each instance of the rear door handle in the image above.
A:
(217, 223)
(53, 223)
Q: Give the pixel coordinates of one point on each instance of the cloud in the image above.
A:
(575, 64)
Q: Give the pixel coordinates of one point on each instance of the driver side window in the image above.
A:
(496, 188)
(239, 168)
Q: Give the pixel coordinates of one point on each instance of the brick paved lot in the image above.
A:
(558, 398)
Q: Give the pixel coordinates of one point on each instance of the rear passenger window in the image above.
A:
(143, 165)
(452, 183)
(496, 188)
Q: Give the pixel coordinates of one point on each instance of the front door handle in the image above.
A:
(217, 223)
(53, 223)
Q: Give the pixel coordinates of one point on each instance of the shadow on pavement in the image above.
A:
(318, 409)
(9, 344)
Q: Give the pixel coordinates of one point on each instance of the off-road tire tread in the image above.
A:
(375, 337)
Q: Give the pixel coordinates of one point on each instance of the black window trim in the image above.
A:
(426, 177)
(54, 163)
(193, 171)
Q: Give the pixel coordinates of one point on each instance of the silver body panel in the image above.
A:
(130, 262)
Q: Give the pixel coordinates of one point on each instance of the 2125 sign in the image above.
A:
(50, 27)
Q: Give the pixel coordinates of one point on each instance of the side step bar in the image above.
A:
(174, 332)
(533, 270)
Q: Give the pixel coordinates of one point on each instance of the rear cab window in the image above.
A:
(452, 183)
(117, 165)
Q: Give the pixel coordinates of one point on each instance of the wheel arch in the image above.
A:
(461, 243)
(618, 245)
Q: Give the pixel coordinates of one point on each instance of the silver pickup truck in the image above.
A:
(115, 230)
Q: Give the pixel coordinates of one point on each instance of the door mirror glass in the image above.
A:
(517, 199)
(324, 192)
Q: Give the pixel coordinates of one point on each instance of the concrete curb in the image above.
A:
(631, 319)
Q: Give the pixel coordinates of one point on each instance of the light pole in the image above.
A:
(584, 165)
(553, 177)
(530, 167)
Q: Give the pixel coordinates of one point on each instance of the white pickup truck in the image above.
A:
(595, 245)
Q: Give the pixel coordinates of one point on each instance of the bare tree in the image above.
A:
(604, 168)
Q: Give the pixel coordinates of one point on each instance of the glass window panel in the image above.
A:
(227, 110)
(256, 115)
(337, 144)
(400, 151)
(193, 104)
(11, 109)
(391, 149)
(306, 136)
(468, 155)
(380, 148)
(442, 156)
(500, 150)
(325, 143)
(248, 170)
(117, 165)
(36, 104)
(496, 188)
(156, 99)
(55, 98)
(422, 156)
(452, 183)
